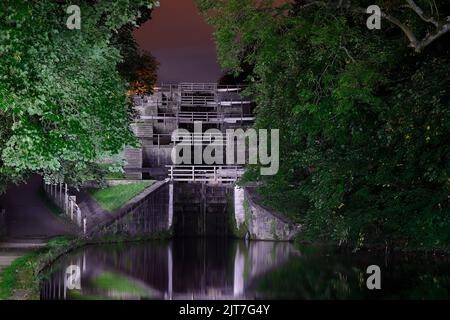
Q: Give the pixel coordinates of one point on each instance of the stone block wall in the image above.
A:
(147, 215)
(133, 156)
(261, 223)
(157, 157)
(165, 127)
(143, 129)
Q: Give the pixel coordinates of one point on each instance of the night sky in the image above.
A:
(182, 42)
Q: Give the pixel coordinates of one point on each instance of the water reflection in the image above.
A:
(229, 269)
(182, 269)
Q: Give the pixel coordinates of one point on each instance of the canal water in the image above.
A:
(211, 268)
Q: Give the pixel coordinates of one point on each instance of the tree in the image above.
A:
(63, 103)
(137, 67)
(439, 24)
(363, 119)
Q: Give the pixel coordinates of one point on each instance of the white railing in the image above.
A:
(166, 139)
(59, 193)
(199, 86)
(185, 116)
(195, 139)
(234, 103)
(186, 86)
(191, 117)
(191, 101)
(198, 116)
(213, 117)
(230, 88)
(211, 174)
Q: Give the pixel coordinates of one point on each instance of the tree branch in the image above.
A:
(418, 45)
(420, 13)
(348, 53)
(433, 36)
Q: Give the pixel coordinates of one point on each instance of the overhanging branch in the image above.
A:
(421, 14)
(418, 45)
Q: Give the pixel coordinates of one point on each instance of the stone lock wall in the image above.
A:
(134, 160)
(167, 209)
(157, 157)
(258, 222)
(148, 215)
(221, 210)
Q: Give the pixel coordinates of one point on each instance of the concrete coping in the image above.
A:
(110, 183)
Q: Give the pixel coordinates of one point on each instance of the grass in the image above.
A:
(113, 198)
(20, 281)
(20, 276)
(115, 282)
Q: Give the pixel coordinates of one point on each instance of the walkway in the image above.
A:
(27, 217)
(94, 213)
(10, 251)
(29, 223)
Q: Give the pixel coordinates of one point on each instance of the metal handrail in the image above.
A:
(219, 118)
(59, 193)
(187, 173)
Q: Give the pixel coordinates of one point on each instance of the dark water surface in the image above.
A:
(232, 269)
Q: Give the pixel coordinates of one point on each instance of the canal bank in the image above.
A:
(205, 215)
(20, 279)
(161, 211)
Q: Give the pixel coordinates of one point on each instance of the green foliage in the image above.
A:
(63, 104)
(18, 275)
(113, 198)
(364, 120)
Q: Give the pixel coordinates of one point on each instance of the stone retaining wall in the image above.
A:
(262, 223)
(149, 214)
